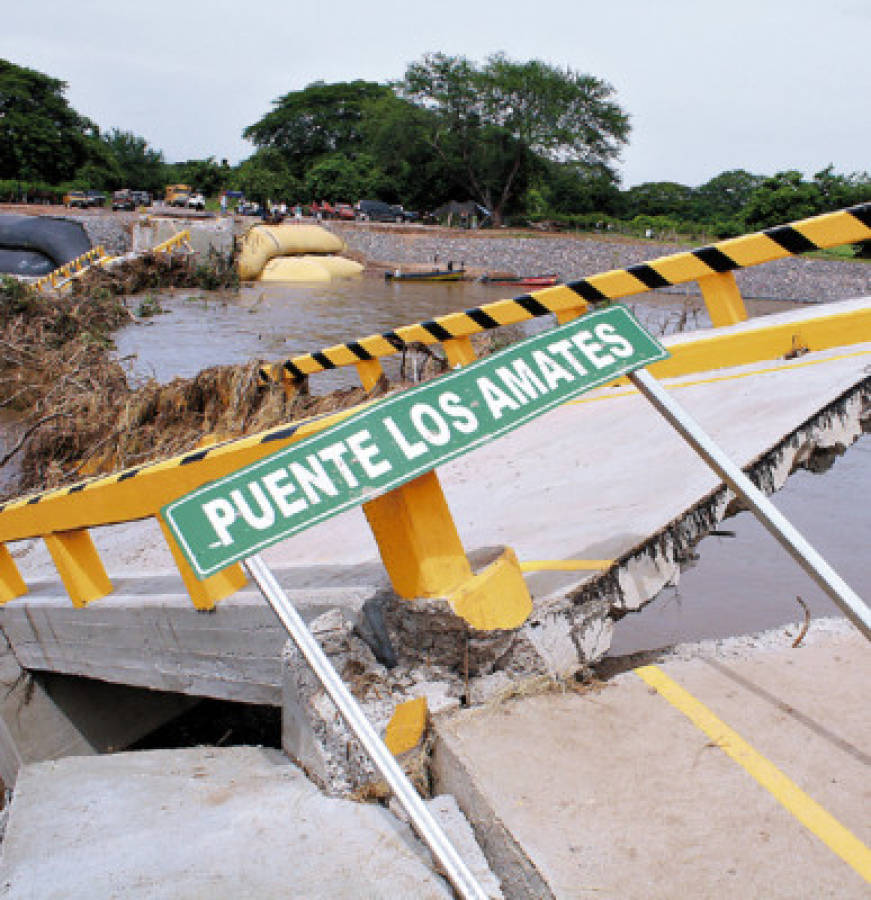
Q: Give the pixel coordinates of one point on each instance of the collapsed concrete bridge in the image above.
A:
(599, 502)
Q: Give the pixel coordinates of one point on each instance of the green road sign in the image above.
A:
(396, 439)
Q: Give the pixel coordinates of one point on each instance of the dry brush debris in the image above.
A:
(77, 415)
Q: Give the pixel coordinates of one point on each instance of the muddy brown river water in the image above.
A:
(275, 321)
(738, 585)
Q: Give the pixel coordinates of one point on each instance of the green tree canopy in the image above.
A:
(140, 167)
(784, 197)
(339, 177)
(206, 175)
(266, 176)
(578, 188)
(726, 194)
(660, 198)
(492, 121)
(397, 137)
(41, 136)
(316, 121)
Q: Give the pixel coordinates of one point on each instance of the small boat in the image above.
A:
(520, 280)
(430, 275)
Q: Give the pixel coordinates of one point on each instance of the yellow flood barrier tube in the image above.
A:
(263, 242)
(309, 268)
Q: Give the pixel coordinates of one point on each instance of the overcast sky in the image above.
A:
(762, 85)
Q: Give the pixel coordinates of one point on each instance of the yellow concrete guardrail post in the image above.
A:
(418, 540)
(459, 351)
(723, 299)
(206, 593)
(368, 371)
(11, 583)
(79, 565)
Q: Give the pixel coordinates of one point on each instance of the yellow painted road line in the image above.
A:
(714, 379)
(828, 829)
(566, 565)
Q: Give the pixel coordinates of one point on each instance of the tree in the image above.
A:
(494, 120)
(784, 197)
(141, 167)
(660, 198)
(339, 177)
(41, 136)
(101, 170)
(725, 195)
(837, 191)
(319, 120)
(578, 188)
(205, 175)
(396, 135)
(266, 176)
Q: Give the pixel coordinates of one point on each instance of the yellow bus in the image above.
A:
(177, 194)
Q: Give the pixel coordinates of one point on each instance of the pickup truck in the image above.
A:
(196, 201)
(123, 200)
(84, 199)
(378, 211)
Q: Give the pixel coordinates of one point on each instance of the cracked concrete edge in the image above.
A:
(565, 633)
(518, 875)
(825, 631)
(641, 573)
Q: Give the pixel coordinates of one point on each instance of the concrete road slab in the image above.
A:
(200, 823)
(598, 478)
(615, 793)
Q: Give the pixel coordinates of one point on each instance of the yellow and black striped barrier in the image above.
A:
(73, 269)
(711, 266)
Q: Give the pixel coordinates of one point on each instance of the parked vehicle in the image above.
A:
(378, 211)
(196, 201)
(141, 198)
(177, 194)
(76, 199)
(123, 199)
(344, 211)
(84, 199)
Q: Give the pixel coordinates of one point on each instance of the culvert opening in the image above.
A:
(219, 723)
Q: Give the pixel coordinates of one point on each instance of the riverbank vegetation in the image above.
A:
(528, 142)
(70, 412)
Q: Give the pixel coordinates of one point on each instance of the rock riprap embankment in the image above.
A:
(796, 278)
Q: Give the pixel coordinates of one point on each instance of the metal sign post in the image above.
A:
(761, 507)
(430, 831)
